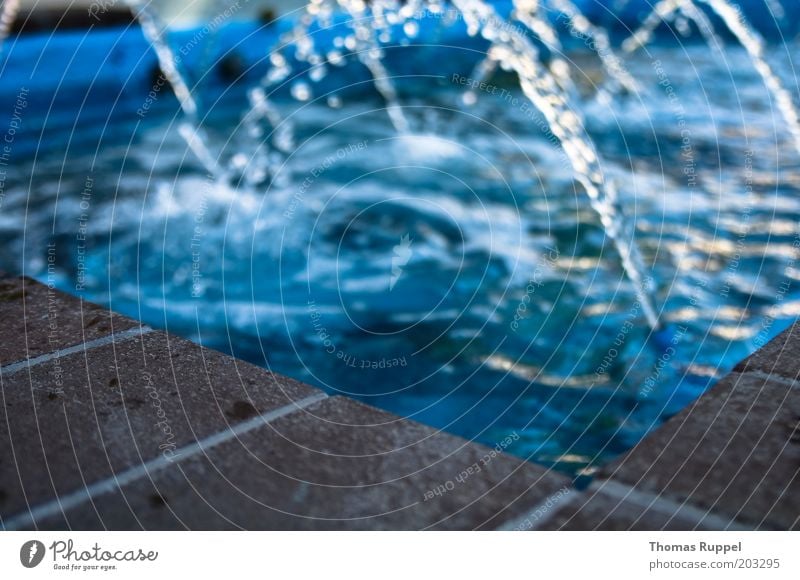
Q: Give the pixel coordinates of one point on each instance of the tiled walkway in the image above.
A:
(108, 424)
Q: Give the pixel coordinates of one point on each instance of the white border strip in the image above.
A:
(773, 378)
(660, 504)
(10, 369)
(547, 508)
(625, 494)
(111, 484)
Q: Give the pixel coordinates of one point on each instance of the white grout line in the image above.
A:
(113, 483)
(548, 508)
(660, 504)
(625, 494)
(774, 378)
(12, 368)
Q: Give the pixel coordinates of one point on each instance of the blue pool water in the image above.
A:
(455, 275)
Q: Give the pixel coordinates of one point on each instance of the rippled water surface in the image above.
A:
(455, 274)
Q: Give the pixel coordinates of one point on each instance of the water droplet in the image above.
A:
(239, 161)
(411, 29)
(277, 74)
(335, 58)
(277, 59)
(682, 25)
(318, 73)
(301, 91)
(334, 102)
(469, 98)
(560, 68)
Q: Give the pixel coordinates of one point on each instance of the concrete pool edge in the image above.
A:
(128, 428)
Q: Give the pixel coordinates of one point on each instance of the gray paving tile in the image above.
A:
(335, 465)
(69, 422)
(600, 510)
(37, 320)
(779, 357)
(735, 451)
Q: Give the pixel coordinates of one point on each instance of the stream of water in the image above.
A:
(498, 219)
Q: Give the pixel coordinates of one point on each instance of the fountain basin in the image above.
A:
(452, 274)
(166, 478)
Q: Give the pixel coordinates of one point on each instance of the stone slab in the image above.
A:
(72, 421)
(735, 451)
(779, 358)
(338, 464)
(37, 320)
(600, 510)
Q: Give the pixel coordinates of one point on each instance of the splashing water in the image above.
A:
(190, 130)
(665, 11)
(598, 40)
(7, 16)
(197, 145)
(370, 26)
(750, 39)
(754, 45)
(549, 88)
(528, 13)
(367, 25)
(776, 8)
(280, 156)
(154, 31)
(260, 166)
(546, 93)
(482, 72)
